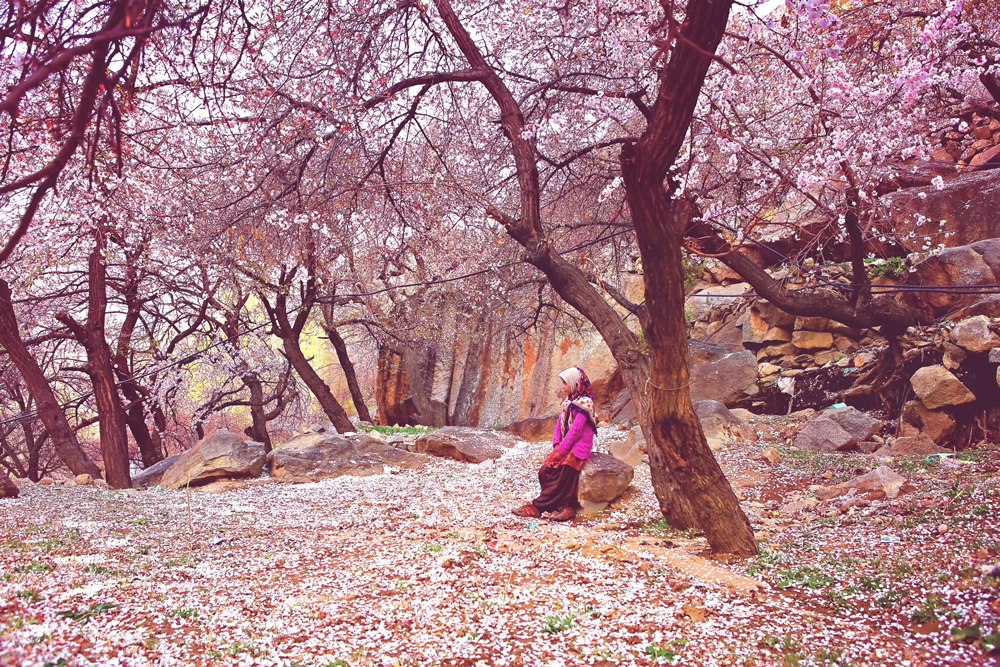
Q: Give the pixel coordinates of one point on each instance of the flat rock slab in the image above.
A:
(316, 456)
(858, 424)
(825, 435)
(882, 482)
(471, 445)
(914, 445)
(152, 475)
(532, 429)
(697, 567)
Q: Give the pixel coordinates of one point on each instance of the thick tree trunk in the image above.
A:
(111, 416)
(677, 433)
(352, 378)
(8, 489)
(327, 401)
(53, 418)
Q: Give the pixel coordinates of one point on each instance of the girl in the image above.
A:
(572, 442)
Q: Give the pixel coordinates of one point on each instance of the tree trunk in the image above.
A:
(352, 378)
(8, 489)
(53, 418)
(334, 411)
(258, 418)
(676, 431)
(111, 416)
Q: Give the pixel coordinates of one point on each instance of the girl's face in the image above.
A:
(565, 387)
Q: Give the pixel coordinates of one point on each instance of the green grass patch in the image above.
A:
(557, 623)
(85, 615)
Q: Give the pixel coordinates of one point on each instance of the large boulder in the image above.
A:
(724, 373)
(315, 456)
(153, 475)
(937, 387)
(532, 429)
(964, 266)
(464, 444)
(858, 424)
(967, 204)
(602, 480)
(825, 435)
(8, 489)
(222, 455)
(721, 426)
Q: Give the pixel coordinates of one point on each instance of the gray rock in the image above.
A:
(222, 455)
(882, 482)
(723, 373)
(720, 425)
(603, 479)
(974, 335)
(152, 475)
(315, 456)
(937, 387)
(464, 444)
(858, 424)
(995, 355)
(935, 424)
(914, 445)
(631, 450)
(825, 435)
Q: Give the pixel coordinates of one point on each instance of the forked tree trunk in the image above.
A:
(258, 417)
(114, 440)
(53, 418)
(676, 431)
(333, 409)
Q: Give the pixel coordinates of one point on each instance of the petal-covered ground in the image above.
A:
(430, 568)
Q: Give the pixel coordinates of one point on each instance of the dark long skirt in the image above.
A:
(558, 488)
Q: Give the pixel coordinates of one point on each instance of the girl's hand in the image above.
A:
(553, 459)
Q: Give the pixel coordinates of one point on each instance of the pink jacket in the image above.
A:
(579, 438)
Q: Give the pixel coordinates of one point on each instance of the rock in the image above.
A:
(744, 414)
(222, 455)
(812, 340)
(532, 429)
(8, 489)
(723, 373)
(916, 419)
(882, 482)
(766, 369)
(464, 444)
(812, 324)
(722, 426)
(152, 475)
(994, 357)
(858, 424)
(714, 296)
(825, 435)
(796, 506)
(602, 480)
(771, 455)
(953, 356)
(630, 450)
(84, 479)
(46, 481)
(869, 446)
(315, 456)
(937, 387)
(914, 445)
(388, 454)
(988, 158)
(974, 335)
(967, 203)
(772, 315)
(964, 266)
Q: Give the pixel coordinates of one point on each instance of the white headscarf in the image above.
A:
(571, 376)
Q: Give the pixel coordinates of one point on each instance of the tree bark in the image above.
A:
(53, 418)
(114, 441)
(258, 418)
(677, 434)
(352, 378)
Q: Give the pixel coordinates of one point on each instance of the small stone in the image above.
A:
(828, 474)
(84, 479)
(942, 528)
(100, 483)
(771, 455)
(994, 357)
(46, 481)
